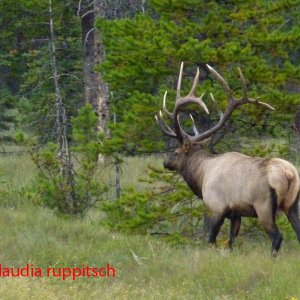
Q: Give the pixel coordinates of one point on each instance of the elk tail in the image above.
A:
(273, 202)
(297, 201)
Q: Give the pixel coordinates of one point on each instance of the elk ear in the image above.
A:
(206, 142)
(186, 144)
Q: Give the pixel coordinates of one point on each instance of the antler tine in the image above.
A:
(189, 99)
(191, 96)
(216, 105)
(202, 104)
(222, 81)
(179, 126)
(163, 126)
(192, 91)
(165, 106)
(196, 132)
(179, 82)
(245, 96)
(198, 101)
(265, 105)
(243, 82)
(183, 133)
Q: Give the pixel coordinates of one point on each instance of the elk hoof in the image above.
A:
(274, 253)
(213, 246)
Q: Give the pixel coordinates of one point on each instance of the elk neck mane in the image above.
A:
(194, 163)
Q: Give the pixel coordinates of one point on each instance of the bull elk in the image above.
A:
(232, 185)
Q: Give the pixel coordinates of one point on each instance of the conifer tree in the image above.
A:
(37, 97)
(144, 54)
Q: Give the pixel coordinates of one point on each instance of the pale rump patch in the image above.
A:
(284, 179)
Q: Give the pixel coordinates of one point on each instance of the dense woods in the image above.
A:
(82, 182)
(81, 81)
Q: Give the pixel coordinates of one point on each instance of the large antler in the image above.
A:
(233, 103)
(180, 102)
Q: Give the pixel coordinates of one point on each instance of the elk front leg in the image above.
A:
(235, 224)
(217, 221)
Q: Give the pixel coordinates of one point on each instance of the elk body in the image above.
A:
(232, 185)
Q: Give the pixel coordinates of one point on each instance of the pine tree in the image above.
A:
(168, 209)
(37, 99)
(15, 38)
(144, 54)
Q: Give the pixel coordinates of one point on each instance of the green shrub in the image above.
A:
(53, 188)
(167, 208)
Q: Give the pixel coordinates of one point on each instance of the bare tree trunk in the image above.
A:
(63, 151)
(118, 180)
(297, 120)
(96, 90)
(118, 170)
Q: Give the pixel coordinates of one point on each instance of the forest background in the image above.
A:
(81, 81)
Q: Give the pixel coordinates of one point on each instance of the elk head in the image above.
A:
(189, 144)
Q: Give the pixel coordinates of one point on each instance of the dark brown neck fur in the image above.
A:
(192, 165)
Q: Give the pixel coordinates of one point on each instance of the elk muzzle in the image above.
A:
(171, 162)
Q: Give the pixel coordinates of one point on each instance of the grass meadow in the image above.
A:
(146, 267)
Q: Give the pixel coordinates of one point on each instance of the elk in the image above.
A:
(232, 185)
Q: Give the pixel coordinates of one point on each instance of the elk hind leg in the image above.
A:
(293, 217)
(235, 224)
(266, 211)
(276, 238)
(217, 221)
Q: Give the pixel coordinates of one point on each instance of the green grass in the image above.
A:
(16, 170)
(37, 236)
(132, 169)
(147, 267)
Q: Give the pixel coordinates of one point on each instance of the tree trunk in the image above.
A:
(297, 120)
(61, 131)
(96, 90)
